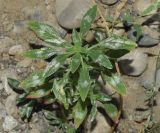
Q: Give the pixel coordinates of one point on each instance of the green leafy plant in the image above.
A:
(70, 80)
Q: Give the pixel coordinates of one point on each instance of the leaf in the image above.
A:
(75, 63)
(93, 113)
(116, 83)
(87, 20)
(14, 84)
(79, 113)
(84, 83)
(99, 36)
(111, 110)
(100, 96)
(59, 92)
(43, 53)
(26, 111)
(46, 33)
(127, 17)
(38, 93)
(117, 42)
(138, 30)
(152, 7)
(98, 57)
(54, 65)
(34, 80)
(76, 38)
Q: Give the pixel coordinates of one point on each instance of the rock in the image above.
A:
(133, 63)
(70, 14)
(100, 125)
(90, 36)
(16, 50)
(147, 41)
(141, 5)
(152, 33)
(5, 44)
(119, 29)
(24, 63)
(3, 77)
(9, 123)
(10, 105)
(109, 2)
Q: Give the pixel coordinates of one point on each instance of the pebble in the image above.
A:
(5, 44)
(109, 2)
(70, 14)
(133, 63)
(141, 5)
(9, 123)
(24, 63)
(16, 50)
(147, 41)
(10, 105)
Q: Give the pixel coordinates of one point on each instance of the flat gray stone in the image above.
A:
(133, 63)
(71, 12)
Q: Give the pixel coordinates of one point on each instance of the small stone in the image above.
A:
(25, 63)
(90, 36)
(133, 63)
(10, 105)
(5, 44)
(70, 14)
(16, 50)
(119, 29)
(9, 123)
(141, 5)
(109, 2)
(147, 41)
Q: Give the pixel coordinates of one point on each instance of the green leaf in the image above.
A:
(117, 42)
(93, 113)
(98, 57)
(46, 32)
(54, 65)
(43, 53)
(87, 20)
(138, 29)
(39, 93)
(59, 92)
(79, 113)
(14, 84)
(84, 83)
(99, 36)
(152, 7)
(100, 96)
(127, 17)
(111, 110)
(26, 110)
(75, 63)
(34, 80)
(76, 38)
(116, 83)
